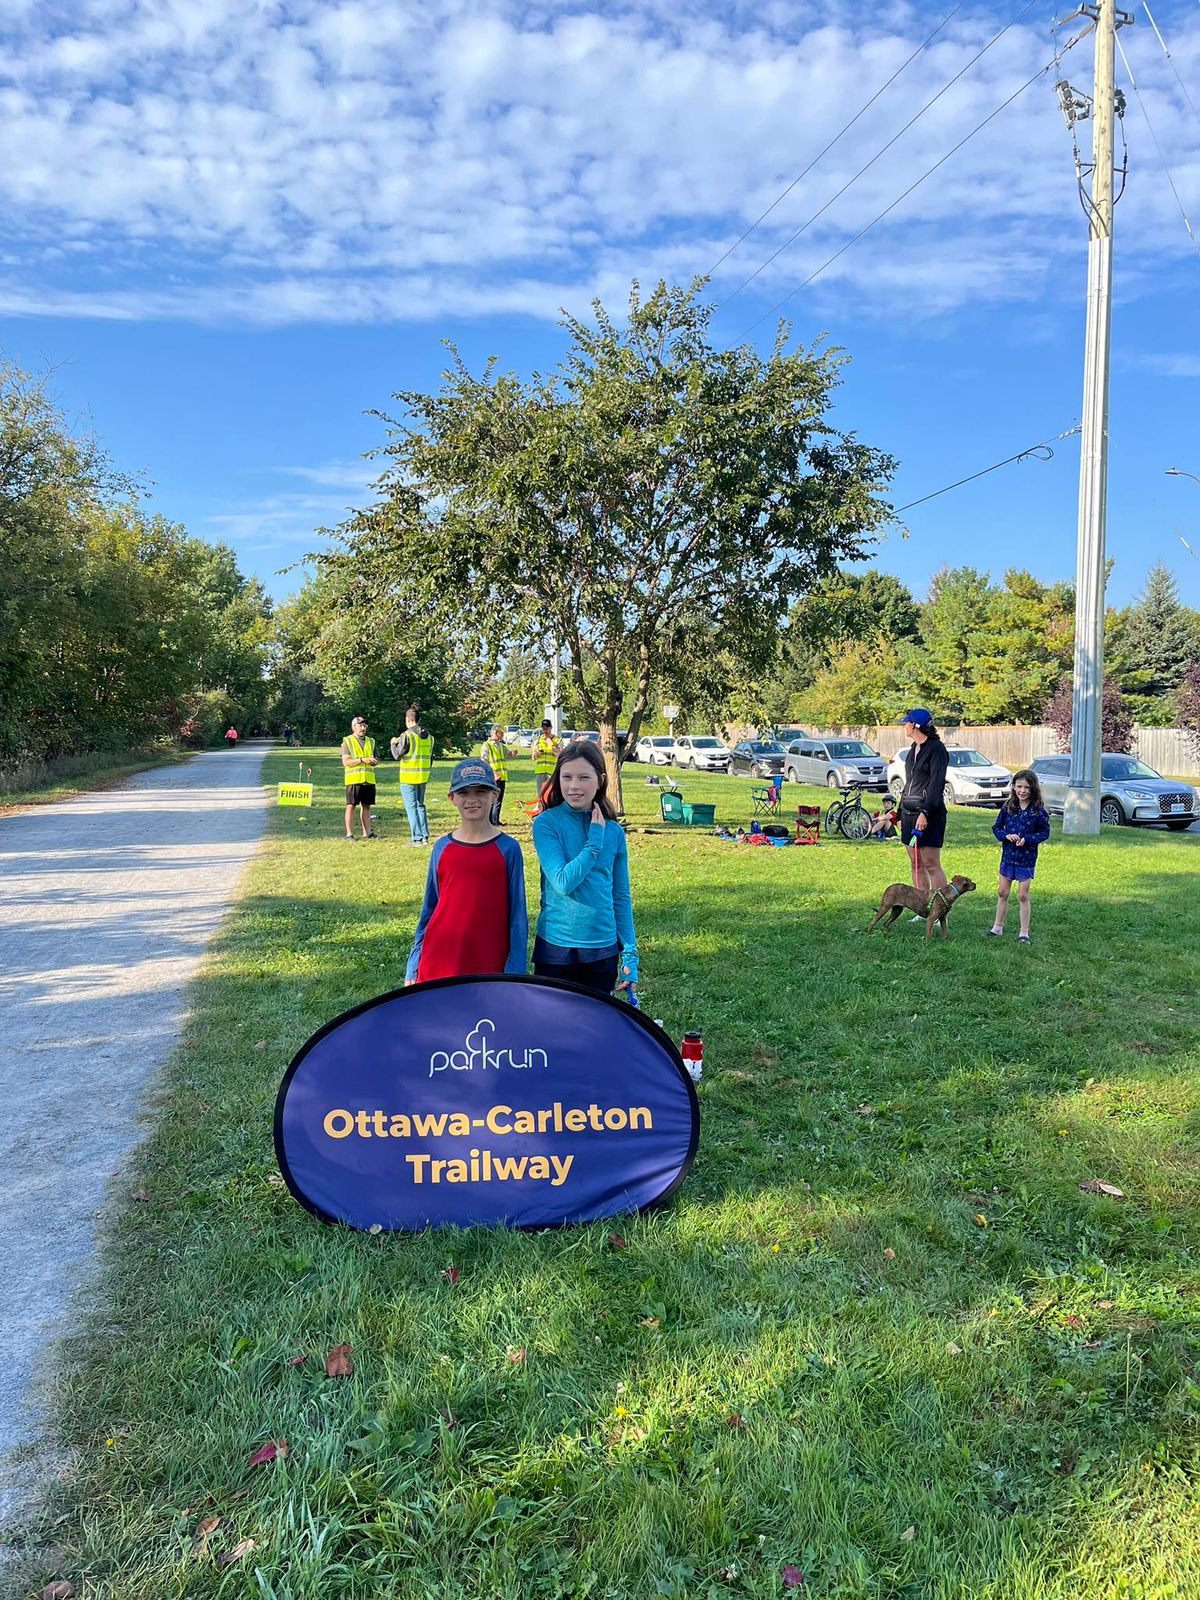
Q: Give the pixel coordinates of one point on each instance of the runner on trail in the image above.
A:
(231, 738)
(413, 749)
(360, 761)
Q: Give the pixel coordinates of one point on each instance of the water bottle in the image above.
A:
(692, 1051)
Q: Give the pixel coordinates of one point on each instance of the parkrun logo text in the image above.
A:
(478, 1054)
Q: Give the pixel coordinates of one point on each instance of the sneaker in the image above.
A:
(1022, 938)
(995, 933)
(349, 838)
(371, 835)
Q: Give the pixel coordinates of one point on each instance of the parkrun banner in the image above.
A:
(485, 1102)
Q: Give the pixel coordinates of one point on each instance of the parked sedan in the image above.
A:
(1130, 792)
(836, 763)
(701, 754)
(654, 749)
(761, 758)
(971, 779)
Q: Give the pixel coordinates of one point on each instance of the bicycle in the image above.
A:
(841, 806)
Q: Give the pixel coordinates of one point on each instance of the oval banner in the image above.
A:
(485, 1102)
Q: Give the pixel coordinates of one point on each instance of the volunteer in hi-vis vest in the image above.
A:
(493, 752)
(545, 754)
(414, 750)
(359, 762)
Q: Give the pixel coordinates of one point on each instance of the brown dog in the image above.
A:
(900, 897)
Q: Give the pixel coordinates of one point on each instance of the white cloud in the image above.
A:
(1172, 366)
(365, 161)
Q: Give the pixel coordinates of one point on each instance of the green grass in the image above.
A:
(34, 784)
(896, 1346)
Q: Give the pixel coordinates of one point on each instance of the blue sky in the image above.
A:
(231, 229)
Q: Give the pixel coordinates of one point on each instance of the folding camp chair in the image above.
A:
(808, 824)
(766, 800)
(676, 810)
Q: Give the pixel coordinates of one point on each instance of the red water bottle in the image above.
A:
(692, 1051)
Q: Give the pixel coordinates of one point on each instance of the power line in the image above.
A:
(1137, 95)
(840, 134)
(804, 226)
(928, 173)
(1171, 59)
(1022, 455)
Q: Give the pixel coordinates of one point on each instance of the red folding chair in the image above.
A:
(808, 825)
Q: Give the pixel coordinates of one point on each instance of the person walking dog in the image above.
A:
(923, 801)
(492, 751)
(414, 750)
(359, 761)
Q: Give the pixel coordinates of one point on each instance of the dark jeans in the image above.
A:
(599, 975)
(497, 803)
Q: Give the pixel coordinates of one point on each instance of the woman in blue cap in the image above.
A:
(923, 800)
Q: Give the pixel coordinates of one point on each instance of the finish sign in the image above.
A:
(485, 1102)
(295, 794)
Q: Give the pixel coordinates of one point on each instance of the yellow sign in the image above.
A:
(295, 794)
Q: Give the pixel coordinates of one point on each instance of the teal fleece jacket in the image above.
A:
(584, 865)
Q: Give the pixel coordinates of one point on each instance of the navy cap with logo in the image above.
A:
(919, 717)
(473, 774)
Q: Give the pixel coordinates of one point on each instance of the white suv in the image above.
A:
(971, 779)
(701, 753)
(654, 749)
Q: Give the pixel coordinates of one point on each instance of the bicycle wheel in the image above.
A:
(855, 823)
(833, 816)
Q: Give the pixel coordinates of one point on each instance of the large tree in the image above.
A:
(1152, 644)
(652, 490)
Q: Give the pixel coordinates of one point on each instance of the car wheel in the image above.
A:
(755, 770)
(896, 788)
(692, 763)
(948, 795)
(1179, 826)
(831, 781)
(1112, 813)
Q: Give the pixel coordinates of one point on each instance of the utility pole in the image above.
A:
(1081, 813)
(554, 709)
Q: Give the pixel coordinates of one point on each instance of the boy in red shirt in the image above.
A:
(473, 918)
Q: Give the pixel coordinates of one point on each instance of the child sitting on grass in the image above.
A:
(1022, 825)
(473, 918)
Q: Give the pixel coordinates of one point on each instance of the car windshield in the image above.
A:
(658, 743)
(707, 744)
(968, 758)
(839, 749)
(1117, 767)
(766, 747)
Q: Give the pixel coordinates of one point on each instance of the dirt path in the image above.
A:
(107, 902)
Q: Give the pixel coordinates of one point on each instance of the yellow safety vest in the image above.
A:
(362, 753)
(545, 754)
(417, 761)
(496, 757)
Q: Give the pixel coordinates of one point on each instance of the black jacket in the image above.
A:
(925, 776)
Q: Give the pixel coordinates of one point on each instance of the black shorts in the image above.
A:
(360, 794)
(935, 827)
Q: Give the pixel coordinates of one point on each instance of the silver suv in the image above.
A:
(1130, 792)
(835, 763)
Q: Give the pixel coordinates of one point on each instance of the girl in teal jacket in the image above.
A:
(585, 924)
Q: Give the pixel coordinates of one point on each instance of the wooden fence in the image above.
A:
(1167, 750)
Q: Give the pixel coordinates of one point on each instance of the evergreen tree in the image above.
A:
(1153, 645)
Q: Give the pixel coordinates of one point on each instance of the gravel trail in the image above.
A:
(107, 903)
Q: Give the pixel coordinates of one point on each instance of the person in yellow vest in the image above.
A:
(413, 749)
(494, 753)
(544, 750)
(359, 761)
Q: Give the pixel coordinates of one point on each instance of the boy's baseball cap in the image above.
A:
(919, 717)
(473, 774)
(546, 723)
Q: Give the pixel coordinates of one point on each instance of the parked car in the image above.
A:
(654, 749)
(1130, 792)
(785, 736)
(525, 737)
(835, 762)
(700, 753)
(971, 779)
(761, 758)
(511, 734)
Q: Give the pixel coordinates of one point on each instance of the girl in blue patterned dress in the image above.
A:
(1022, 825)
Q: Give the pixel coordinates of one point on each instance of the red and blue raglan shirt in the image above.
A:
(473, 917)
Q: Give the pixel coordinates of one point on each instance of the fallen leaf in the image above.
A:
(953, 1349)
(866, 1109)
(1101, 1186)
(449, 1420)
(516, 1358)
(889, 1254)
(909, 1534)
(261, 1045)
(1072, 1321)
(273, 1449)
(1105, 1305)
(275, 1180)
(451, 1275)
(651, 1322)
(978, 1218)
(339, 1363)
(236, 1554)
(141, 1195)
(735, 1420)
(296, 1361)
(60, 1589)
(203, 1529)
(616, 1241)
(792, 1577)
